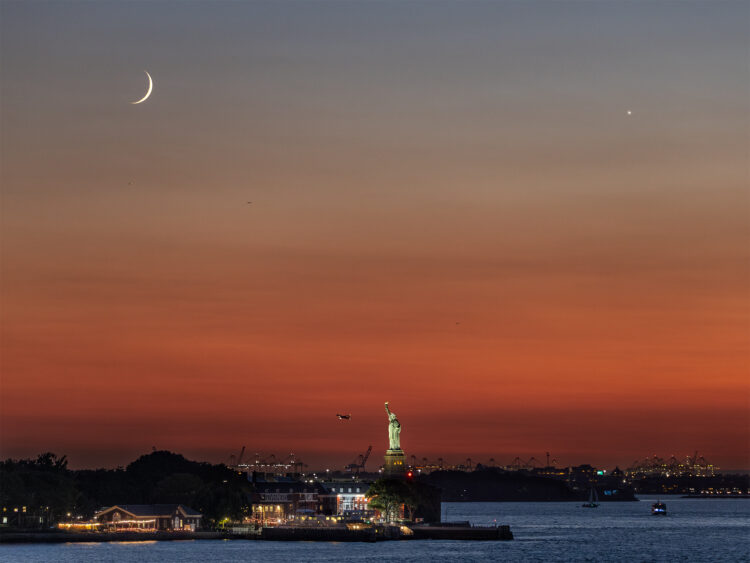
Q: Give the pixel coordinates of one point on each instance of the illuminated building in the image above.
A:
(26, 516)
(348, 497)
(148, 517)
(691, 466)
(79, 526)
(275, 502)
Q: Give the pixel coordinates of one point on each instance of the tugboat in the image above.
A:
(593, 499)
(659, 508)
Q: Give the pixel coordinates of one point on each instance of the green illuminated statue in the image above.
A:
(394, 429)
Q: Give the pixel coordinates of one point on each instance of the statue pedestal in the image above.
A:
(395, 464)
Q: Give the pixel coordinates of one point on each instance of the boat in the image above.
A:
(593, 499)
(659, 508)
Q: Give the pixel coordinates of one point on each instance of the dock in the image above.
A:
(465, 532)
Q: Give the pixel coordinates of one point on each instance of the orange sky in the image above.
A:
(445, 214)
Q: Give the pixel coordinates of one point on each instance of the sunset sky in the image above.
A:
(452, 210)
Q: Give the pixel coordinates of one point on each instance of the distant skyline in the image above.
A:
(524, 224)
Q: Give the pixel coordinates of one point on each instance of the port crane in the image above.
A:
(359, 463)
(234, 460)
(519, 464)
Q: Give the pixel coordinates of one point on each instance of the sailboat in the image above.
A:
(593, 499)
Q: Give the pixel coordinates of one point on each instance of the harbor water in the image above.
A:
(694, 530)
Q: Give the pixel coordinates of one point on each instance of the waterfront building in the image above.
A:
(275, 502)
(26, 517)
(347, 498)
(148, 517)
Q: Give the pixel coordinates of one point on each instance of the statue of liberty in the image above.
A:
(394, 429)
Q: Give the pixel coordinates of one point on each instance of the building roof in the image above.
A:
(153, 509)
(357, 487)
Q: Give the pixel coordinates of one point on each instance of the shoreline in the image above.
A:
(281, 533)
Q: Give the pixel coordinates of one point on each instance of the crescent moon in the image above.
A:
(148, 92)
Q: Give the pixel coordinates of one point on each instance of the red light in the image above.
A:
(409, 474)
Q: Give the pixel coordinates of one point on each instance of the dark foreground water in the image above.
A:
(696, 530)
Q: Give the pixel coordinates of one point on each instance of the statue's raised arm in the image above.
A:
(387, 410)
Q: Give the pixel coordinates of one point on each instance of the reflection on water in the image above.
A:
(83, 543)
(135, 542)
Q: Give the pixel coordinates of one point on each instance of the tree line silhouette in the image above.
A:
(50, 491)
